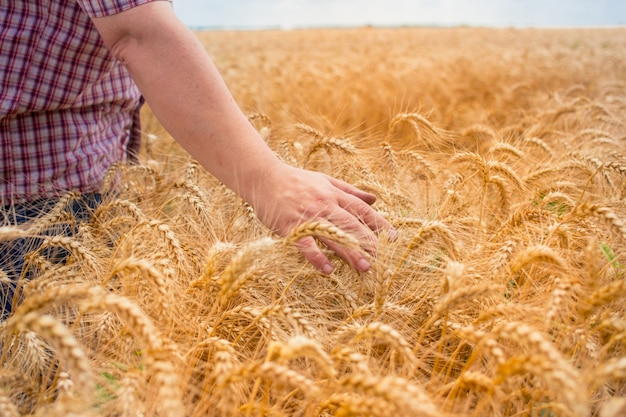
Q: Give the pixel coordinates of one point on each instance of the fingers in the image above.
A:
(363, 212)
(368, 198)
(368, 216)
(355, 257)
(355, 227)
(314, 255)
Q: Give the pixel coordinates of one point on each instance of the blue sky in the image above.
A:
(313, 13)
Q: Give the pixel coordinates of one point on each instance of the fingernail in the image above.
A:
(393, 234)
(363, 265)
(327, 269)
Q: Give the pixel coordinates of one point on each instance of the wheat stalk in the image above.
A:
(537, 254)
(547, 362)
(277, 373)
(80, 252)
(378, 330)
(407, 398)
(7, 407)
(616, 225)
(322, 230)
(61, 338)
(233, 277)
(302, 346)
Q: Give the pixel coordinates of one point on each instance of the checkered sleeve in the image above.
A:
(101, 8)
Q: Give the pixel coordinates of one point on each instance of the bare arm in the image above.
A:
(189, 97)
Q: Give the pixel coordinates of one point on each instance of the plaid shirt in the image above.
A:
(68, 108)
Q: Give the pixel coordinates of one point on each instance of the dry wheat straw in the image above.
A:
(296, 316)
(355, 360)
(322, 230)
(418, 124)
(195, 197)
(225, 361)
(542, 368)
(71, 244)
(616, 225)
(593, 133)
(503, 254)
(406, 397)
(58, 214)
(435, 228)
(615, 166)
(113, 176)
(525, 216)
(557, 197)
(514, 131)
(385, 332)
(153, 277)
(302, 346)
(473, 159)
(245, 314)
(65, 387)
(119, 206)
(613, 407)
(297, 321)
(507, 149)
(537, 254)
(7, 407)
(4, 278)
(426, 167)
(383, 281)
(508, 310)
(340, 144)
(29, 354)
(562, 287)
(561, 169)
(506, 171)
(192, 172)
(349, 404)
(278, 374)
(503, 192)
(609, 370)
(218, 252)
(234, 277)
(547, 362)
(452, 276)
(480, 133)
(129, 395)
(60, 337)
(12, 233)
(540, 143)
(169, 238)
(147, 270)
(157, 355)
(309, 130)
(96, 298)
(603, 296)
(483, 340)
(450, 300)
(391, 161)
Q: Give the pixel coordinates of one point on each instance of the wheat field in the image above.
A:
(498, 154)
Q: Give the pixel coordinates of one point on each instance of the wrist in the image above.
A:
(259, 179)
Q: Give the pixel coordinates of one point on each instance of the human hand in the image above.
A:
(289, 196)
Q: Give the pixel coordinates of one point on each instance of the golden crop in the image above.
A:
(498, 154)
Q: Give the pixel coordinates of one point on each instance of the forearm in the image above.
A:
(187, 94)
(189, 97)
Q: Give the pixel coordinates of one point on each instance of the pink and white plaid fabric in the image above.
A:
(68, 108)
